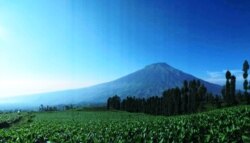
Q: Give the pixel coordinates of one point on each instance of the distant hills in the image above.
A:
(149, 81)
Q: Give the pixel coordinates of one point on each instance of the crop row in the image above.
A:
(225, 125)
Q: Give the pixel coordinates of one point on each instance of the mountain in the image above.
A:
(149, 81)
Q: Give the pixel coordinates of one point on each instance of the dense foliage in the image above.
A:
(114, 102)
(7, 119)
(224, 125)
(188, 99)
(8, 116)
(47, 108)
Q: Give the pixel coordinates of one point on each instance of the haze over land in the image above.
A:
(149, 81)
(57, 45)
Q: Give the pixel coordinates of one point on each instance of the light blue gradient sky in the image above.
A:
(50, 45)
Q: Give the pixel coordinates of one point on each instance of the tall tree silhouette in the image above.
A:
(184, 102)
(245, 75)
(202, 91)
(108, 103)
(227, 88)
(114, 102)
(232, 90)
(177, 100)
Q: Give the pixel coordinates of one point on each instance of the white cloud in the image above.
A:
(214, 74)
(234, 71)
(218, 77)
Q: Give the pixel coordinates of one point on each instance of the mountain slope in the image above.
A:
(149, 81)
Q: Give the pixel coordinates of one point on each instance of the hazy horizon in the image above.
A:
(56, 45)
(9, 99)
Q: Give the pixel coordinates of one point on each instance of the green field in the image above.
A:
(222, 125)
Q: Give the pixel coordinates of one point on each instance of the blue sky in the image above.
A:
(53, 45)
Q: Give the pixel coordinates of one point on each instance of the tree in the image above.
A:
(47, 108)
(108, 103)
(227, 88)
(184, 101)
(177, 100)
(193, 97)
(245, 75)
(68, 107)
(202, 91)
(229, 91)
(232, 90)
(171, 102)
(228, 75)
(114, 102)
(165, 102)
(41, 108)
(168, 102)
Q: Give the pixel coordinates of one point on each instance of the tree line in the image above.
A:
(43, 108)
(47, 108)
(190, 98)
